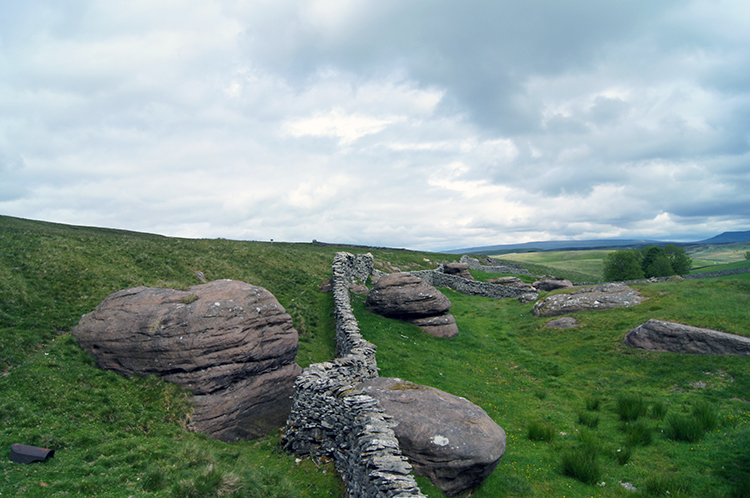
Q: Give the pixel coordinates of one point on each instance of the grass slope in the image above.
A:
(566, 389)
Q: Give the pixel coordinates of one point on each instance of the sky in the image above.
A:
(425, 124)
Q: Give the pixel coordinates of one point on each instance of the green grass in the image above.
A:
(583, 266)
(120, 437)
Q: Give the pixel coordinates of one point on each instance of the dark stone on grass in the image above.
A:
(565, 322)
(229, 342)
(550, 284)
(658, 335)
(447, 439)
(599, 297)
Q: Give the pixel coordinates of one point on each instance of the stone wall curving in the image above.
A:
(332, 417)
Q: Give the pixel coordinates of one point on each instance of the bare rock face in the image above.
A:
(229, 342)
(658, 335)
(447, 439)
(550, 284)
(458, 269)
(401, 295)
(599, 297)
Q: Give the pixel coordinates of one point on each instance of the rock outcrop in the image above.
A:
(550, 284)
(458, 269)
(229, 342)
(447, 439)
(599, 297)
(406, 297)
(658, 335)
(513, 282)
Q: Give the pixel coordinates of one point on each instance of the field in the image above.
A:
(588, 265)
(559, 394)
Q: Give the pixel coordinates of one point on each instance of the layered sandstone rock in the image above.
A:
(447, 439)
(658, 335)
(232, 344)
(458, 269)
(407, 297)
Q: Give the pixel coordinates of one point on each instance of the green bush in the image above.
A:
(665, 485)
(622, 265)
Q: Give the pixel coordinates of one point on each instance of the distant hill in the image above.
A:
(728, 237)
(555, 245)
(559, 245)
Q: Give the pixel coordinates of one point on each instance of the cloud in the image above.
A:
(416, 124)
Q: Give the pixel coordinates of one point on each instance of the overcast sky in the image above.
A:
(421, 124)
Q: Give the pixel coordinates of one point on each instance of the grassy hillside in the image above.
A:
(559, 394)
(123, 437)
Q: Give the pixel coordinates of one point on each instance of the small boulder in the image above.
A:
(565, 322)
(550, 284)
(513, 282)
(529, 297)
(439, 326)
(599, 297)
(458, 269)
(401, 295)
(229, 342)
(447, 439)
(670, 337)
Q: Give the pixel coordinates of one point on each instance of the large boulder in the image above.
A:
(407, 297)
(458, 269)
(232, 344)
(658, 335)
(599, 297)
(401, 295)
(447, 439)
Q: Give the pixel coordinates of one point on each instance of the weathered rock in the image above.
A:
(514, 282)
(658, 335)
(599, 297)
(401, 295)
(447, 439)
(550, 284)
(529, 297)
(458, 269)
(565, 322)
(439, 326)
(229, 342)
(326, 287)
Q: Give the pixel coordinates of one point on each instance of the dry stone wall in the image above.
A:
(332, 417)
